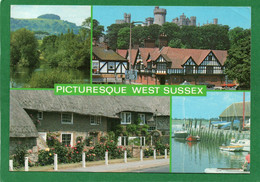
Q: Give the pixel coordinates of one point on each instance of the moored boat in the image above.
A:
(181, 134)
(193, 138)
(244, 142)
(231, 148)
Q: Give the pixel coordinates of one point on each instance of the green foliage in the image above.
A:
(52, 26)
(88, 140)
(23, 48)
(148, 152)
(19, 156)
(160, 148)
(214, 37)
(49, 16)
(175, 43)
(239, 57)
(171, 30)
(97, 28)
(47, 79)
(112, 34)
(67, 50)
(123, 38)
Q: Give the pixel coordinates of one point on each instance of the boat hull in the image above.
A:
(181, 134)
(231, 148)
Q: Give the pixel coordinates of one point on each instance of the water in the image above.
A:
(195, 157)
(20, 76)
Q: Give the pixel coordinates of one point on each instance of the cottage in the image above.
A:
(174, 65)
(40, 112)
(108, 66)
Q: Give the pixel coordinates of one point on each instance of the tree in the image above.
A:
(123, 38)
(97, 28)
(112, 34)
(24, 48)
(191, 37)
(171, 30)
(214, 37)
(239, 60)
(175, 43)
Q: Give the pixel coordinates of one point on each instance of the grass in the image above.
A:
(88, 164)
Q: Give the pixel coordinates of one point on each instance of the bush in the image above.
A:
(19, 156)
(161, 147)
(148, 152)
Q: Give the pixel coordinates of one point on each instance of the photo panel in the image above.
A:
(211, 134)
(48, 45)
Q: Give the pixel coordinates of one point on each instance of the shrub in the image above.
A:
(148, 152)
(19, 156)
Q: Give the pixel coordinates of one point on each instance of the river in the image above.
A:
(195, 157)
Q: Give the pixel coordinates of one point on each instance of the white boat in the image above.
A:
(245, 143)
(225, 170)
(181, 134)
(231, 148)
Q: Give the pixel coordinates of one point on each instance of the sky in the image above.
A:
(74, 14)
(210, 106)
(232, 16)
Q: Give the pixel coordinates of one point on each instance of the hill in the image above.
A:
(46, 23)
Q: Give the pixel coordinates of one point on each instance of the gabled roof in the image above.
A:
(236, 110)
(122, 52)
(145, 52)
(180, 56)
(107, 54)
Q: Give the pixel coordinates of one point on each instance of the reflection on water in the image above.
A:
(20, 76)
(195, 157)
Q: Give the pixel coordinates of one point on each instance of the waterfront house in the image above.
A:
(40, 112)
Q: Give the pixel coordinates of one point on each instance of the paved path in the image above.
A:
(122, 167)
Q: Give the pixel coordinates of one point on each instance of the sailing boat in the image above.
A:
(182, 133)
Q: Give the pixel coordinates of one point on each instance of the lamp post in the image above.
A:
(130, 48)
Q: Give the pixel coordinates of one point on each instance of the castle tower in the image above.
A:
(182, 20)
(127, 18)
(215, 21)
(149, 21)
(193, 21)
(159, 15)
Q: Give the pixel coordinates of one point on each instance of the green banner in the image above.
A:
(130, 90)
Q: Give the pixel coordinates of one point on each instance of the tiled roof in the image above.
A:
(175, 55)
(107, 55)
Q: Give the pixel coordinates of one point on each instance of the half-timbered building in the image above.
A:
(108, 66)
(174, 66)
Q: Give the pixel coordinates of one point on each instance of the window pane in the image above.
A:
(66, 117)
(66, 139)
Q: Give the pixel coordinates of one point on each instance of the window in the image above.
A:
(210, 57)
(161, 66)
(66, 118)
(209, 70)
(125, 118)
(189, 69)
(40, 115)
(142, 118)
(111, 65)
(149, 65)
(66, 139)
(95, 66)
(95, 120)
